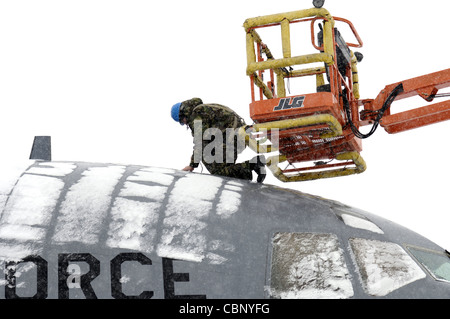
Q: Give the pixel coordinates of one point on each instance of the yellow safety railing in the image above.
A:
(360, 166)
(335, 129)
(274, 161)
(355, 76)
(334, 125)
(277, 65)
(253, 144)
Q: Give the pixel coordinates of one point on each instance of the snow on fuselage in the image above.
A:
(85, 230)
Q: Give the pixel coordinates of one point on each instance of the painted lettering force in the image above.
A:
(229, 308)
(67, 279)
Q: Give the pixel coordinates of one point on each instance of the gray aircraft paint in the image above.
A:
(77, 230)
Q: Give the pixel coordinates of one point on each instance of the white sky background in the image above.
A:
(100, 77)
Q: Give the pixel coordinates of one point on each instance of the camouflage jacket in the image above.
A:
(211, 116)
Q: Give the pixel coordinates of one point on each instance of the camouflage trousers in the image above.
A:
(237, 170)
(230, 169)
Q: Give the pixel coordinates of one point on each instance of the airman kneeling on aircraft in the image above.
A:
(211, 125)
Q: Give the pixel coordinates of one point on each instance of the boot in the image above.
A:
(259, 166)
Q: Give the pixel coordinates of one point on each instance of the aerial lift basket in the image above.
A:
(317, 135)
(309, 127)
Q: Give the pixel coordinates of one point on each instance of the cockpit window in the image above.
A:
(308, 265)
(437, 263)
(384, 266)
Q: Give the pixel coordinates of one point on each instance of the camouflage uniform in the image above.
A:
(220, 117)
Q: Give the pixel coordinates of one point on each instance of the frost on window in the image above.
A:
(306, 265)
(384, 267)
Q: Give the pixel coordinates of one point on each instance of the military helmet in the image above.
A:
(175, 112)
